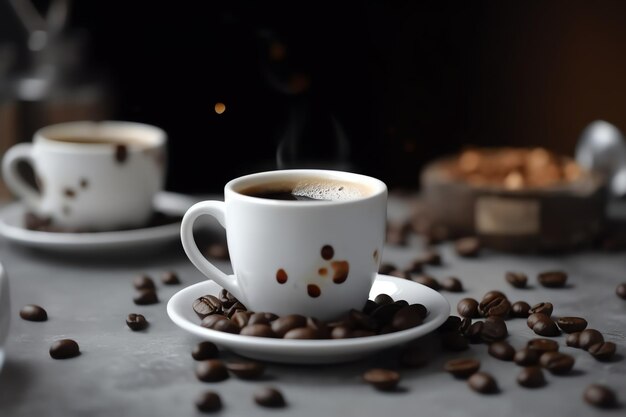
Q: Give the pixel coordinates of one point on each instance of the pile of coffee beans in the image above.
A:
(379, 316)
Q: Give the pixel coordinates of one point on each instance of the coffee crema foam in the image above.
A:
(308, 189)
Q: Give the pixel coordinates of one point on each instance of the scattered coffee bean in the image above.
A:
(136, 322)
(146, 297)
(542, 308)
(602, 351)
(208, 402)
(269, 397)
(241, 318)
(494, 305)
(454, 341)
(64, 349)
(589, 337)
(482, 382)
(259, 330)
(207, 305)
(526, 357)
(283, 324)
(227, 299)
(620, 290)
(546, 327)
(430, 257)
(381, 299)
(452, 324)
(467, 307)
(520, 309)
(452, 284)
(237, 307)
(170, 278)
(386, 268)
(400, 273)
(427, 280)
(573, 340)
(211, 370)
(535, 318)
(382, 379)
(246, 369)
(226, 326)
(416, 266)
(494, 293)
(571, 324)
(408, 317)
(493, 329)
(218, 250)
(600, 396)
(552, 279)
(531, 377)
(385, 312)
(143, 282)
(465, 325)
(205, 350)
(473, 333)
(542, 345)
(261, 318)
(210, 321)
(467, 247)
(502, 350)
(556, 362)
(33, 312)
(462, 368)
(303, 333)
(516, 279)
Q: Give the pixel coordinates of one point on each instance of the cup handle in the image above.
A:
(12, 177)
(216, 210)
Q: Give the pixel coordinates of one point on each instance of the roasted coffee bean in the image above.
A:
(546, 327)
(400, 273)
(556, 362)
(571, 324)
(269, 397)
(241, 318)
(386, 268)
(170, 278)
(218, 250)
(381, 299)
(516, 279)
(207, 305)
(385, 312)
(465, 325)
(322, 329)
(246, 369)
(602, 351)
(427, 280)
(227, 299)
(146, 297)
(430, 257)
(494, 329)
(473, 333)
(542, 345)
(382, 379)
(535, 318)
(452, 324)
(454, 341)
(520, 309)
(360, 320)
(589, 337)
(259, 318)
(210, 321)
(33, 312)
(600, 396)
(573, 340)
(467, 247)
(64, 349)
(226, 326)
(259, 330)
(462, 368)
(482, 382)
(211, 370)
(416, 266)
(467, 307)
(552, 279)
(407, 317)
(494, 305)
(542, 308)
(452, 284)
(205, 350)
(369, 306)
(341, 332)
(362, 333)
(136, 322)
(283, 324)
(620, 290)
(494, 293)
(526, 357)
(531, 377)
(234, 309)
(143, 282)
(303, 333)
(502, 350)
(208, 402)
(413, 358)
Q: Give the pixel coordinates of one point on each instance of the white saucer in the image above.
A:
(313, 351)
(12, 228)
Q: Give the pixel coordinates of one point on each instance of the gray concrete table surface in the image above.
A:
(151, 373)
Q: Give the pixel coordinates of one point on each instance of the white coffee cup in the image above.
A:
(92, 175)
(316, 258)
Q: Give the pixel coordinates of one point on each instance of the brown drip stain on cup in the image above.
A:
(341, 269)
(121, 153)
(313, 290)
(281, 276)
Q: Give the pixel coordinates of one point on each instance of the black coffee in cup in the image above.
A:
(307, 189)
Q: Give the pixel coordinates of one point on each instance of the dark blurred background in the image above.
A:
(377, 87)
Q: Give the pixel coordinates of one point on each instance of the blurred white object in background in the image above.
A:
(601, 148)
(5, 311)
